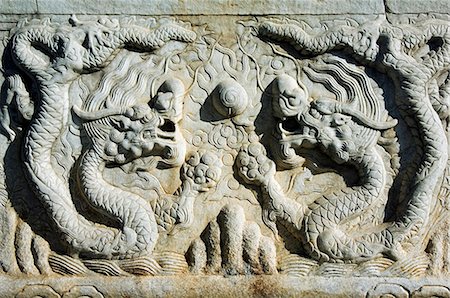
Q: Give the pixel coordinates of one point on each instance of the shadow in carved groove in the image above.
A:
(327, 108)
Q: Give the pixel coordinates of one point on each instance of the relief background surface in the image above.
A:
(262, 149)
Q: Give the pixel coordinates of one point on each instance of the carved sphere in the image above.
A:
(230, 98)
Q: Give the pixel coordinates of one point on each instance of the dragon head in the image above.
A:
(145, 129)
(339, 129)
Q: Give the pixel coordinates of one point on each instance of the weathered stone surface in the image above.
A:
(175, 7)
(225, 148)
(219, 286)
(418, 6)
(18, 7)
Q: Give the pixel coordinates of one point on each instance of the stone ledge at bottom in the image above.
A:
(219, 286)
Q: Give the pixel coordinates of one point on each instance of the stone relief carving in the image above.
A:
(152, 147)
(347, 131)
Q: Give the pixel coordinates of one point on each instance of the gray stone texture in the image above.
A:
(224, 148)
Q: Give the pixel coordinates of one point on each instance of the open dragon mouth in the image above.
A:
(289, 130)
(167, 130)
(170, 143)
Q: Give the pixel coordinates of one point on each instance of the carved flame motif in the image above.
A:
(152, 148)
(347, 130)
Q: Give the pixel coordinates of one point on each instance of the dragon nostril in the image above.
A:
(168, 126)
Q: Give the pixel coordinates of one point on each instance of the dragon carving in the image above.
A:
(53, 57)
(143, 95)
(347, 129)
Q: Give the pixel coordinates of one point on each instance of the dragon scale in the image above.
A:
(411, 79)
(54, 76)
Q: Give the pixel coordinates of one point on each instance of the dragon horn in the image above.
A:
(96, 115)
(328, 107)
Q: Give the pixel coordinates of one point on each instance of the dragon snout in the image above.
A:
(171, 143)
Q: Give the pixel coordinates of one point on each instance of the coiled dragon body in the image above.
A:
(54, 57)
(320, 223)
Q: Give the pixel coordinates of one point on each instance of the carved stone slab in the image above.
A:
(225, 149)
